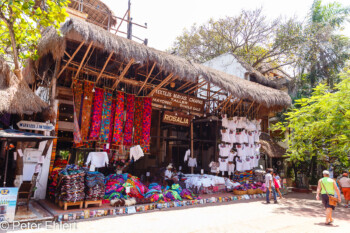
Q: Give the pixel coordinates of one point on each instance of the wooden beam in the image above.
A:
(161, 84)
(215, 93)
(237, 106)
(82, 61)
(257, 110)
(194, 86)
(250, 106)
(104, 67)
(234, 102)
(71, 58)
(172, 80)
(149, 75)
(228, 101)
(121, 76)
(160, 71)
(228, 98)
(198, 88)
(184, 85)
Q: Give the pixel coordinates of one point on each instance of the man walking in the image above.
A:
(270, 186)
(344, 184)
(327, 187)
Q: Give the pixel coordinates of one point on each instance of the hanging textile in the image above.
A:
(96, 114)
(138, 121)
(86, 109)
(78, 93)
(111, 128)
(119, 119)
(78, 142)
(106, 116)
(130, 102)
(146, 124)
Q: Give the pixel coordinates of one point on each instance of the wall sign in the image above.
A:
(8, 199)
(32, 125)
(178, 100)
(177, 118)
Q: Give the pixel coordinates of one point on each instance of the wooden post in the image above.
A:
(82, 61)
(161, 84)
(192, 144)
(104, 67)
(148, 76)
(121, 77)
(71, 58)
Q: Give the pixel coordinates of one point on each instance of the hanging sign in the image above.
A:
(32, 125)
(177, 118)
(178, 100)
(8, 199)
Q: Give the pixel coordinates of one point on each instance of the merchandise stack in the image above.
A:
(94, 186)
(240, 148)
(243, 177)
(71, 184)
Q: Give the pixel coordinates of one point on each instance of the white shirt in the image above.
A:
(231, 156)
(168, 174)
(241, 137)
(136, 153)
(268, 177)
(225, 121)
(251, 137)
(242, 123)
(223, 162)
(187, 155)
(224, 150)
(214, 167)
(192, 162)
(257, 136)
(241, 151)
(225, 136)
(231, 168)
(257, 149)
(344, 182)
(239, 164)
(232, 125)
(98, 159)
(246, 164)
(256, 160)
(232, 136)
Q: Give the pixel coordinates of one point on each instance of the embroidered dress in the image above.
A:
(78, 142)
(130, 103)
(78, 93)
(86, 109)
(119, 119)
(146, 124)
(138, 121)
(96, 114)
(106, 116)
(111, 128)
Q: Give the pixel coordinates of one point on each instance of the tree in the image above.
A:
(21, 24)
(320, 125)
(323, 52)
(249, 35)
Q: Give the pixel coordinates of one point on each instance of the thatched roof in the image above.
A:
(96, 10)
(15, 95)
(271, 148)
(256, 74)
(79, 30)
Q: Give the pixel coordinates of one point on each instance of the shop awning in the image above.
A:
(17, 135)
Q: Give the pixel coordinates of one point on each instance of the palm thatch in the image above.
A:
(74, 29)
(98, 12)
(15, 95)
(271, 148)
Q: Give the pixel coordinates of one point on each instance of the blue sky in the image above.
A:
(167, 19)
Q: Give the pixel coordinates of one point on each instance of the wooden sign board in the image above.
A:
(177, 118)
(178, 100)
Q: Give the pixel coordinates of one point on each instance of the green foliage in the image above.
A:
(22, 22)
(320, 125)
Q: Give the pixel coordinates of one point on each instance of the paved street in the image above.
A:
(297, 213)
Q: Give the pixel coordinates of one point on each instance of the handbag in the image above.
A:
(332, 200)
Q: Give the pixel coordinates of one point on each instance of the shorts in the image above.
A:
(325, 202)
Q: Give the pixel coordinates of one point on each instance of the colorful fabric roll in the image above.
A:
(96, 114)
(78, 142)
(110, 137)
(106, 116)
(146, 124)
(138, 122)
(77, 94)
(86, 109)
(130, 103)
(119, 119)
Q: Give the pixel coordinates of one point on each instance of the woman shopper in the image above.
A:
(327, 187)
(277, 182)
(344, 184)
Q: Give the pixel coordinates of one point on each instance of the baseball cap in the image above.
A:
(325, 172)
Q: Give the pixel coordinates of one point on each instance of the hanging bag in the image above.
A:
(332, 200)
